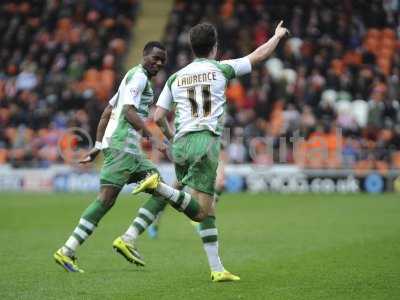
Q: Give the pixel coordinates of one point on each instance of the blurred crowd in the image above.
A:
(328, 98)
(59, 63)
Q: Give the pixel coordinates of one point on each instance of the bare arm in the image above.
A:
(161, 120)
(101, 128)
(135, 120)
(265, 50)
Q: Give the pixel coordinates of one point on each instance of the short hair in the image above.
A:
(152, 44)
(202, 37)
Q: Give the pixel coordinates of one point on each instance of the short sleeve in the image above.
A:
(134, 89)
(240, 66)
(165, 99)
(113, 100)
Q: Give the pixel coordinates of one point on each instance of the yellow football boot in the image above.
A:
(128, 251)
(223, 276)
(68, 263)
(149, 183)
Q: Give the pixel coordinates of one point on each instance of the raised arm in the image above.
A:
(265, 50)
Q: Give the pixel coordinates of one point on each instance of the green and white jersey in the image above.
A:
(135, 89)
(197, 92)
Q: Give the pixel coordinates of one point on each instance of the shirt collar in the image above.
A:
(144, 70)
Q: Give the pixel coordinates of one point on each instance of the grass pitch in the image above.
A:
(282, 246)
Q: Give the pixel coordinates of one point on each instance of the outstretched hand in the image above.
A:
(281, 31)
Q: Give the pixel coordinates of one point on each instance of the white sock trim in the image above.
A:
(147, 213)
(186, 201)
(87, 224)
(208, 232)
(81, 233)
(141, 222)
(71, 244)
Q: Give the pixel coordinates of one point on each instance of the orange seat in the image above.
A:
(388, 43)
(227, 9)
(235, 93)
(4, 115)
(371, 44)
(107, 78)
(395, 159)
(11, 134)
(74, 35)
(373, 33)
(108, 23)
(64, 24)
(17, 154)
(337, 66)
(363, 167)
(24, 8)
(385, 53)
(3, 156)
(385, 65)
(91, 75)
(352, 58)
(300, 152)
(389, 33)
(382, 167)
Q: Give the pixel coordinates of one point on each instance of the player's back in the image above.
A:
(198, 94)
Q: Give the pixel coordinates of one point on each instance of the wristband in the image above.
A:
(97, 145)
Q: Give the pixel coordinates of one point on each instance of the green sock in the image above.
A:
(179, 200)
(95, 212)
(208, 230)
(146, 215)
(187, 203)
(87, 223)
(209, 235)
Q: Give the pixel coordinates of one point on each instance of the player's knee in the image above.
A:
(108, 195)
(202, 214)
(107, 201)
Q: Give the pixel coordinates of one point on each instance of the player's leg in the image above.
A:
(180, 200)
(126, 243)
(188, 151)
(88, 222)
(220, 180)
(112, 179)
(201, 177)
(154, 227)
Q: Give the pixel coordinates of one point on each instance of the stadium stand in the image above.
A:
(334, 84)
(335, 81)
(59, 62)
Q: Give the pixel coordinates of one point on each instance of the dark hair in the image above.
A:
(202, 37)
(152, 44)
